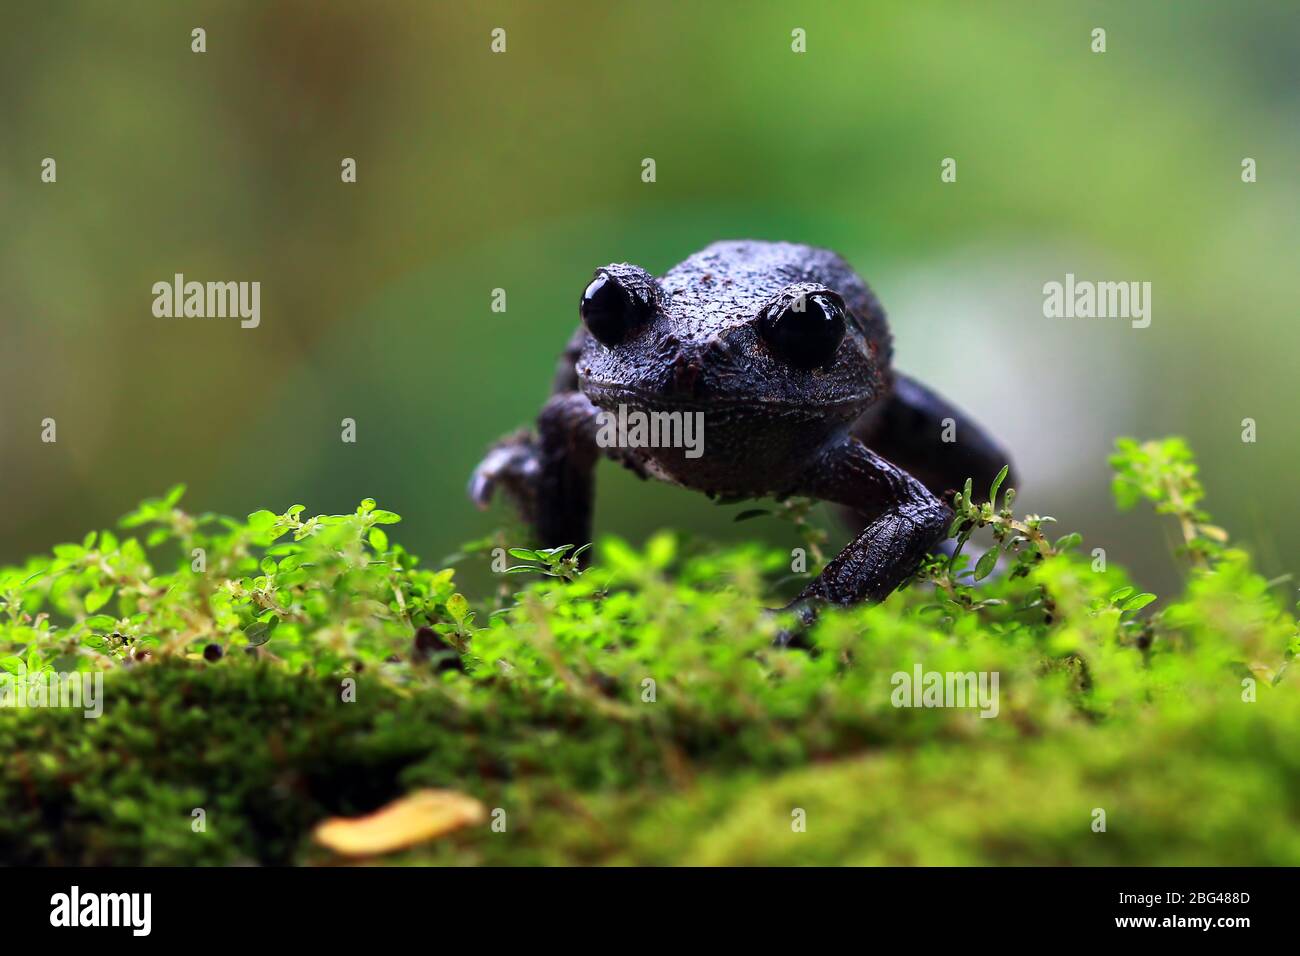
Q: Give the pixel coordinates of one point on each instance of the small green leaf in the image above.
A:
(457, 607)
(660, 551)
(98, 598)
(997, 484)
(291, 579)
(1069, 541)
(378, 540)
(259, 632)
(385, 517)
(262, 520)
(1139, 601)
(984, 566)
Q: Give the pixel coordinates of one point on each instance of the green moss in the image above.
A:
(638, 713)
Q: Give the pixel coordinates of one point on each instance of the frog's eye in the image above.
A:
(805, 329)
(610, 310)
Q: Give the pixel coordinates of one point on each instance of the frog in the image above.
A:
(785, 356)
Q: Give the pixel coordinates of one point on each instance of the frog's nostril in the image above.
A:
(685, 373)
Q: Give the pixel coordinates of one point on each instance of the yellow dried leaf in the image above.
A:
(409, 820)
(1262, 671)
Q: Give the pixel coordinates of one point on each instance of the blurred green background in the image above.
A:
(522, 171)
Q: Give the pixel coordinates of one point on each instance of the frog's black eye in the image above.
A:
(805, 330)
(610, 310)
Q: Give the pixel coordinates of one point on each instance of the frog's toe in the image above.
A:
(512, 464)
(795, 635)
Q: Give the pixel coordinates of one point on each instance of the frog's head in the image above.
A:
(769, 327)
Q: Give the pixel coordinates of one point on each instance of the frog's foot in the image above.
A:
(514, 464)
(550, 474)
(795, 634)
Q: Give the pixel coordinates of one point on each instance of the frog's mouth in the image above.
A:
(609, 397)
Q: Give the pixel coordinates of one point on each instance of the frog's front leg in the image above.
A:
(550, 474)
(904, 522)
